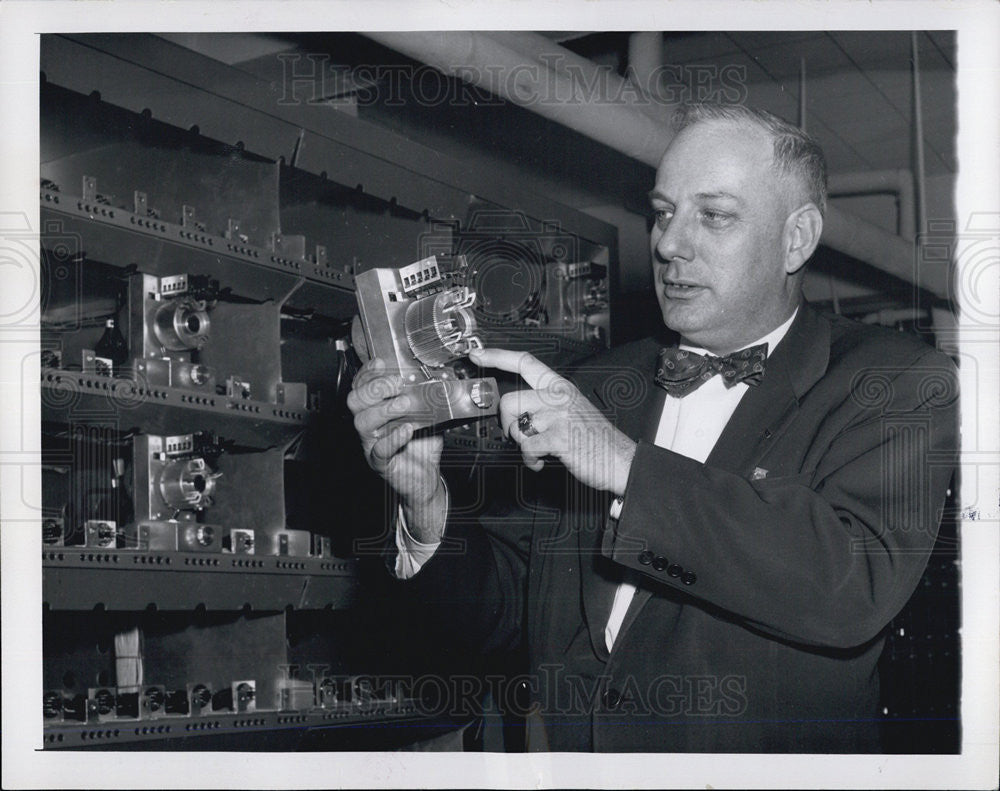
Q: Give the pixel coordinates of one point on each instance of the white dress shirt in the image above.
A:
(689, 426)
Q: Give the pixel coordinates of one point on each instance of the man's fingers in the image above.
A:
(427, 449)
(369, 370)
(533, 448)
(536, 373)
(371, 421)
(389, 445)
(533, 464)
(373, 389)
(513, 405)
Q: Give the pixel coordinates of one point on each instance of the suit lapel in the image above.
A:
(764, 412)
(639, 419)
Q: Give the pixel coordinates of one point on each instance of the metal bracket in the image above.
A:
(89, 188)
(294, 395)
(289, 246)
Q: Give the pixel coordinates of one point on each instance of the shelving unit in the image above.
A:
(161, 166)
(206, 732)
(83, 578)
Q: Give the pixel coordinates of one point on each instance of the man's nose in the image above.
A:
(674, 241)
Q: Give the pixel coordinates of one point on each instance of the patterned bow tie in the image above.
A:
(681, 372)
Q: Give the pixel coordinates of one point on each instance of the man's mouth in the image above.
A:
(676, 290)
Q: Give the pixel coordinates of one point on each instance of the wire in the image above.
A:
(128, 658)
(83, 323)
(341, 370)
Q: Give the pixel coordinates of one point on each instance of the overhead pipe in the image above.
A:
(518, 67)
(645, 57)
(918, 138)
(582, 72)
(593, 101)
(876, 182)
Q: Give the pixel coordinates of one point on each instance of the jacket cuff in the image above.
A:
(629, 540)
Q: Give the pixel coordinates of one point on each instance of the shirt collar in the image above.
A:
(772, 339)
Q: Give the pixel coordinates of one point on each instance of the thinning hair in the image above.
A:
(796, 154)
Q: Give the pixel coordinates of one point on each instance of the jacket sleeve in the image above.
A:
(824, 557)
(473, 588)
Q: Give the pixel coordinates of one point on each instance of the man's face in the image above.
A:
(716, 243)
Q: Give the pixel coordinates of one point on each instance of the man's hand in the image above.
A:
(569, 427)
(410, 466)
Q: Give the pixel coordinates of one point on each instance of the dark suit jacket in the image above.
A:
(767, 575)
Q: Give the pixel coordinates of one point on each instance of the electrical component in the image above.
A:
(173, 481)
(237, 388)
(127, 703)
(530, 276)
(179, 536)
(295, 695)
(239, 697)
(439, 328)
(418, 324)
(187, 484)
(240, 542)
(153, 700)
(54, 532)
(181, 325)
(100, 534)
(576, 300)
(75, 708)
(166, 491)
(177, 703)
(101, 704)
(291, 543)
(363, 691)
(173, 485)
(321, 546)
(200, 697)
(170, 323)
(327, 694)
(52, 705)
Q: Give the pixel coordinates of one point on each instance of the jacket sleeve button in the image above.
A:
(645, 558)
(612, 697)
(689, 578)
(675, 570)
(659, 563)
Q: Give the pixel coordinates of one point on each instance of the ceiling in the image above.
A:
(858, 85)
(858, 88)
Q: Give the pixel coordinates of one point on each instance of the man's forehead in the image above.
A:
(725, 129)
(717, 156)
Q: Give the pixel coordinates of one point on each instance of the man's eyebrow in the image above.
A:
(719, 194)
(655, 194)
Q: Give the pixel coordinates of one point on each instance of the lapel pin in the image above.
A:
(758, 474)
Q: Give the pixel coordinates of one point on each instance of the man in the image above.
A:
(732, 543)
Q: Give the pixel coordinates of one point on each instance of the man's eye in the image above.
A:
(715, 218)
(662, 217)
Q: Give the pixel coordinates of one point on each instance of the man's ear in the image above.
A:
(803, 228)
